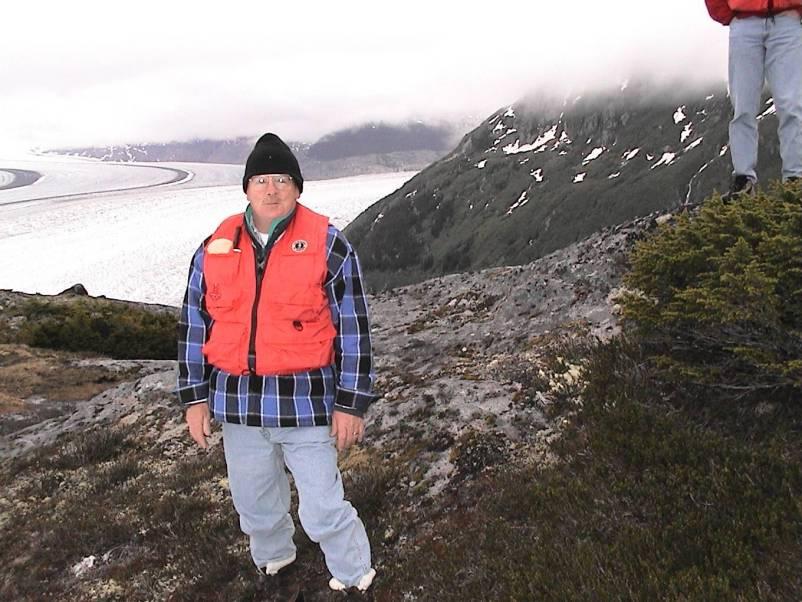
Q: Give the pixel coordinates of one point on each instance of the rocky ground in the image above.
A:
(452, 351)
(466, 368)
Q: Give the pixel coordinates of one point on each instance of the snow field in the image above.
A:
(137, 244)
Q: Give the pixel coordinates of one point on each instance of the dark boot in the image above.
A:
(741, 186)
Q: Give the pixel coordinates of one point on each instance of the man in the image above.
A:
(274, 339)
(765, 45)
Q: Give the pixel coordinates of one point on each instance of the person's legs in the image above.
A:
(784, 75)
(746, 77)
(325, 515)
(261, 493)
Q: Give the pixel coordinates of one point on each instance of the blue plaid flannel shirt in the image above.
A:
(300, 399)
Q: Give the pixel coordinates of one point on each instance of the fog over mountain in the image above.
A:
(95, 75)
(541, 174)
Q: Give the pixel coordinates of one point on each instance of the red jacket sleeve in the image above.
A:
(720, 11)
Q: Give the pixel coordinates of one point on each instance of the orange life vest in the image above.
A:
(285, 318)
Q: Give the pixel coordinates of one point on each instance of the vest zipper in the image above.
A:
(260, 272)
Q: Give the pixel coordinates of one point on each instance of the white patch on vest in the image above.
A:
(219, 246)
(299, 246)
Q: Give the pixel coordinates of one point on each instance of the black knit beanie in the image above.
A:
(271, 155)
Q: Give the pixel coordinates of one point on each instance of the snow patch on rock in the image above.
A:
(694, 144)
(522, 200)
(594, 154)
(666, 159)
(541, 140)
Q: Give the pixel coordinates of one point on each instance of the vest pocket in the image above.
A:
(297, 338)
(224, 346)
(299, 324)
(298, 357)
(301, 270)
(222, 290)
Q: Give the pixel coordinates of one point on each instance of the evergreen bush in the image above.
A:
(717, 297)
(100, 327)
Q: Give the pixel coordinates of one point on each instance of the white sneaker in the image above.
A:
(363, 585)
(274, 567)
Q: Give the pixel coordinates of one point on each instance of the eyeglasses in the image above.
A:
(280, 180)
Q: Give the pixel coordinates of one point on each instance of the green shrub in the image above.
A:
(718, 297)
(123, 332)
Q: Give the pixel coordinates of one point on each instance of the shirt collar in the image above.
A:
(277, 226)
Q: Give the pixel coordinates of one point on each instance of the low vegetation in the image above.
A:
(101, 517)
(671, 480)
(650, 501)
(718, 299)
(98, 326)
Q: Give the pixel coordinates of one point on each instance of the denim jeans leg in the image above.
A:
(784, 75)
(746, 78)
(326, 516)
(260, 491)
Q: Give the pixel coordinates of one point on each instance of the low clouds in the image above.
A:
(155, 72)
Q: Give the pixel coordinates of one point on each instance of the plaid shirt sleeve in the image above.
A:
(193, 326)
(349, 311)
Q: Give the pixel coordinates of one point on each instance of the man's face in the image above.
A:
(271, 196)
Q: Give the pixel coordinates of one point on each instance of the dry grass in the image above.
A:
(25, 371)
(36, 384)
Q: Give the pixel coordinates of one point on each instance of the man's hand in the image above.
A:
(199, 423)
(347, 429)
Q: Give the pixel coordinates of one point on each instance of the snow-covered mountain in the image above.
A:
(539, 175)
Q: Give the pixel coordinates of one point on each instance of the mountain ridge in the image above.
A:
(374, 147)
(538, 175)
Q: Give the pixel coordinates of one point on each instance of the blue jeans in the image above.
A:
(255, 458)
(766, 50)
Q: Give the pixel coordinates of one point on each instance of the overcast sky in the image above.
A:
(96, 73)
